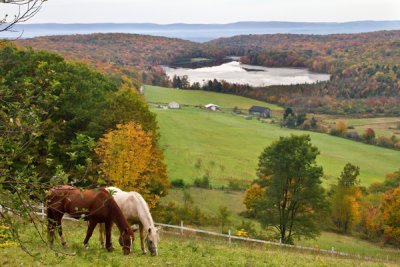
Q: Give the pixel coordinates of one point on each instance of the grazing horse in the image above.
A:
(136, 211)
(95, 206)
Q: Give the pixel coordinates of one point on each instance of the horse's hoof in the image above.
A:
(86, 246)
(110, 249)
(65, 245)
(144, 253)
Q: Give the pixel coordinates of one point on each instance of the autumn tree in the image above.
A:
(294, 198)
(130, 160)
(344, 198)
(369, 135)
(341, 128)
(252, 195)
(391, 216)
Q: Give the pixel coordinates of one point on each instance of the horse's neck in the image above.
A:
(118, 217)
(144, 214)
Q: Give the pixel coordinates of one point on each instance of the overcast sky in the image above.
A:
(216, 11)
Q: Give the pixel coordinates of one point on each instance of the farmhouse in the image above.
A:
(212, 107)
(174, 105)
(262, 112)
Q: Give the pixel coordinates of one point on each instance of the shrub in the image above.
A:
(341, 128)
(334, 131)
(384, 141)
(369, 136)
(178, 183)
(237, 185)
(202, 182)
(354, 136)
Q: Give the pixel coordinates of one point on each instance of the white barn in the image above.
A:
(174, 105)
(212, 107)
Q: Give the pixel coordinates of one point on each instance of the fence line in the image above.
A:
(229, 236)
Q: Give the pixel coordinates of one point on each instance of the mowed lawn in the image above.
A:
(157, 94)
(227, 147)
(173, 251)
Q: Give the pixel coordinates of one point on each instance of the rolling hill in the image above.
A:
(204, 32)
(226, 147)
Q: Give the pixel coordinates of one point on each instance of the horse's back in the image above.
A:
(76, 202)
(130, 203)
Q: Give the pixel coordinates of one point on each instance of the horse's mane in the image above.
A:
(118, 216)
(143, 208)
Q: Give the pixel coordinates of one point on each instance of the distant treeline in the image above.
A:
(302, 97)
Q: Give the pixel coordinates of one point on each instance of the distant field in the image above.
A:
(195, 97)
(228, 147)
(234, 202)
(382, 126)
(173, 251)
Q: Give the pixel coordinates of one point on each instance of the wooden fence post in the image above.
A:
(42, 210)
(230, 237)
(181, 227)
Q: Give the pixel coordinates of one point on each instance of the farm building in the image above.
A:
(212, 107)
(173, 105)
(262, 112)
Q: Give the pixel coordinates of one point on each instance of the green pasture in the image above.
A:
(227, 147)
(234, 202)
(173, 251)
(156, 94)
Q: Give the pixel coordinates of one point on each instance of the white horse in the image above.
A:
(136, 211)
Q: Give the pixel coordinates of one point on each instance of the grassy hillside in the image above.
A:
(173, 251)
(234, 202)
(157, 94)
(227, 146)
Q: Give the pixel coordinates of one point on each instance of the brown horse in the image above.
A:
(95, 206)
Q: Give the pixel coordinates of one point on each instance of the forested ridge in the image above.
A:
(364, 68)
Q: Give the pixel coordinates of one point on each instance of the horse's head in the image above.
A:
(152, 240)
(125, 240)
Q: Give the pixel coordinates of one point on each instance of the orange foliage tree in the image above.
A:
(341, 128)
(131, 161)
(252, 195)
(391, 216)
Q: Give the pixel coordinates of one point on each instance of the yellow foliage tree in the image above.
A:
(253, 194)
(131, 161)
(391, 216)
(341, 127)
(345, 199)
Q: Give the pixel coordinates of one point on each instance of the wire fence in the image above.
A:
(183, 231)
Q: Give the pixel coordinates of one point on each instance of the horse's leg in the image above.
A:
(109, 245)
(63, 242)
(51, 225)
(101, 231)
(141, 231)
(92, 225)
